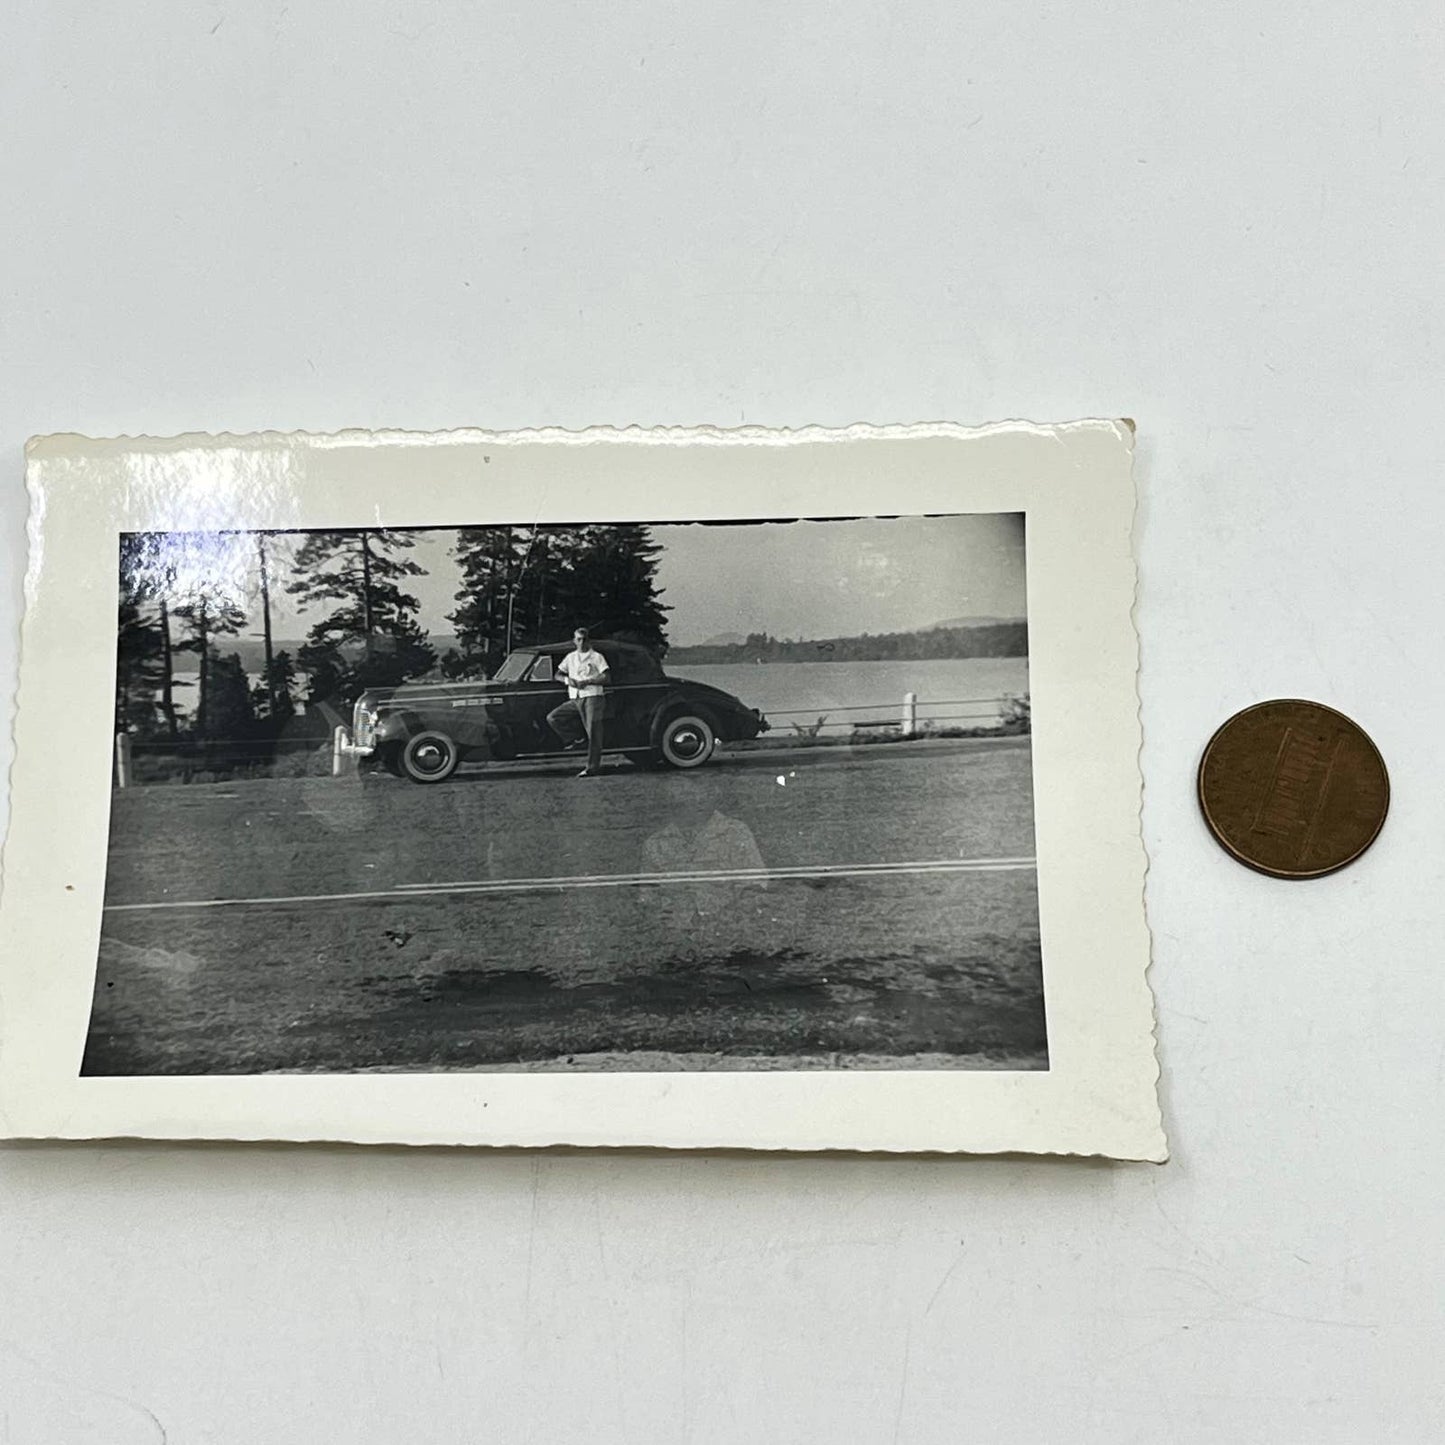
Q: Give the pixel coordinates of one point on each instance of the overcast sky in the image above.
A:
(815, 579)
(792, 579)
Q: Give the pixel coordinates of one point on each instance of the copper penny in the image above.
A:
(1294, 789)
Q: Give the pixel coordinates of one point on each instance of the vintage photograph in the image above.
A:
(710, 795)
(671, 788)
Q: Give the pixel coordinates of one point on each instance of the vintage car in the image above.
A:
(424, 731)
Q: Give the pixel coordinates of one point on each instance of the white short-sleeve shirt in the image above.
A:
(584, 672)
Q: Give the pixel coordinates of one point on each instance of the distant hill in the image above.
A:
(974, 622)
(723, 639)
(990, 639)
(252, 650)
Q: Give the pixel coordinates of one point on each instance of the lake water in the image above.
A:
(957, 691)
(961, 692)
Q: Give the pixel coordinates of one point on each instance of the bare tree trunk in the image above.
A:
(266, 625)
(168, 701)
(368, 621)
(203, 630)
(507, 584)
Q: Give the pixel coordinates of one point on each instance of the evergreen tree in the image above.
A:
(490, 563)
(328, 675)
(139, 669)
(144, 659)
(457, 666)
(229, 712)
(610, 586)
(206, 615)
(371, 638)
(274, 697)
(536, 608)
(534, 585)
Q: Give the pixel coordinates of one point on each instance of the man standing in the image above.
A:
(585, 673)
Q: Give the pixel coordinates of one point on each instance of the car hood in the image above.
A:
(415, 691)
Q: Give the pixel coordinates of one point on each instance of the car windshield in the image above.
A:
(513, 668)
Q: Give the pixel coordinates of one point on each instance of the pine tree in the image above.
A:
(144, 656)
(535, 585)
(139, 669)
(207, 616)
(228, 704)
(490, 563)
(610, 586)
(535, 601)
(274, 697)
(371, 638)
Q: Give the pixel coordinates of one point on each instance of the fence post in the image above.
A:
(338, 758)
(122, 760)
(910, 714)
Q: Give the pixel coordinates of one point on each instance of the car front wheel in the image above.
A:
(429, 757)
(687, 741)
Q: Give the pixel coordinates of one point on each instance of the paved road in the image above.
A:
(793, 810)
(795, 906)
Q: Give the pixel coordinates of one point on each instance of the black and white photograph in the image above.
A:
(618, 796)
(677, 788)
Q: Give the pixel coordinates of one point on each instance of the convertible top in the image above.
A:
(630, 661)
(602, 644)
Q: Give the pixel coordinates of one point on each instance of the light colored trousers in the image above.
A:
(578, 716)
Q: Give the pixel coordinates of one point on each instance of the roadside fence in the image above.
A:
(915, 719)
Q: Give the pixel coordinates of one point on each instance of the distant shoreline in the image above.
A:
(934, 644)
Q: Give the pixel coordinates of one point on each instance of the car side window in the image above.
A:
(541, 669)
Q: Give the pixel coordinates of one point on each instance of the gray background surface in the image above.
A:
(1223, 221)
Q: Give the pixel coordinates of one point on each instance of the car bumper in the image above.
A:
(349, 749)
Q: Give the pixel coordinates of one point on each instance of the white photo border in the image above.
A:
(1073, 482)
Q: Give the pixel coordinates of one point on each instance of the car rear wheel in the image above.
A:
(429, 757)
(687, 741)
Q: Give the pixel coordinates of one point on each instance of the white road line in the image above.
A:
(682, 875)
(599, 880)
(716, 875)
